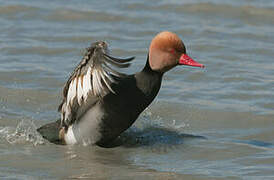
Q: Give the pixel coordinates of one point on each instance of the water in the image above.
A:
(212, 123)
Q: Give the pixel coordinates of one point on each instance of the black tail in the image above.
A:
(51, 132)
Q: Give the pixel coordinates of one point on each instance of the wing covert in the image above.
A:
(90, 81)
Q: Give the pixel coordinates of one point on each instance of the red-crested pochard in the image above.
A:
(100, 103)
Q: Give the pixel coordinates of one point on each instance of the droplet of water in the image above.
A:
(25, 132)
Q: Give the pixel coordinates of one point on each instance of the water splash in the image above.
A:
(149, 120)
(25, 132)
(153, 130)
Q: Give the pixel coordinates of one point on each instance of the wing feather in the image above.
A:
(107, 82)
(80, 90)
(71, 92)
(90, 81)
(87, 84)
(96, 82)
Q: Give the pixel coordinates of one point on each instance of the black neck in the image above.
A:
(149, 82)
(147, 69)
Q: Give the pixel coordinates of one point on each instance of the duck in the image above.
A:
(99, 102)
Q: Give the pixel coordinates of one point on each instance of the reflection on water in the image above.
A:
(149, 132)
(154, 136)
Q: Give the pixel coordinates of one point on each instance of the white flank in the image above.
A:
(69, 136)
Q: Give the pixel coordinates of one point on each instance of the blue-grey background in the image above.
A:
(230, 102)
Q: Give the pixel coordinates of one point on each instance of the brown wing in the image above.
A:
(90, 81)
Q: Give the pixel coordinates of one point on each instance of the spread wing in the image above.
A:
(90, 81)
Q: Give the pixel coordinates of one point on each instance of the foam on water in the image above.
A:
(150, 130)
(25, 132)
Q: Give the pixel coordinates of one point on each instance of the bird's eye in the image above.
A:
(172, 51)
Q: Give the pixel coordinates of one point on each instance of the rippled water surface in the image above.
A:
(212, 123)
